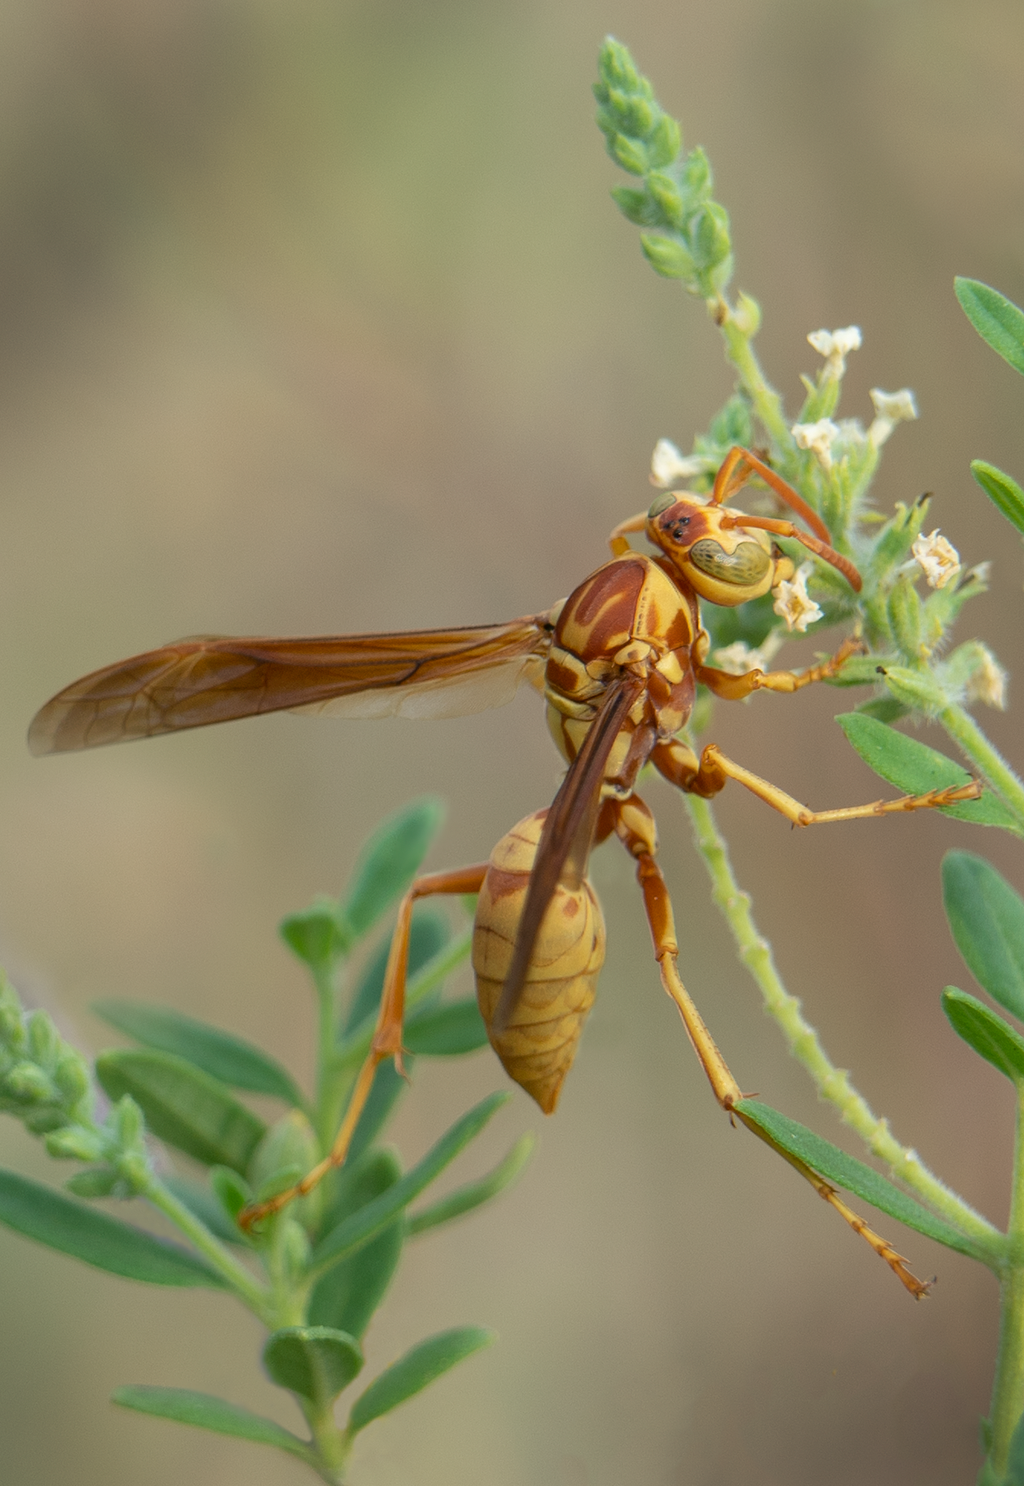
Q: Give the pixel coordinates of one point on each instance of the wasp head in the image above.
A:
(710, 548)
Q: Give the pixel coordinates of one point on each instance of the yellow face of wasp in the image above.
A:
(725, 564)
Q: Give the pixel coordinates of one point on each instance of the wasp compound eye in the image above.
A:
(748, 564)
(661, 503)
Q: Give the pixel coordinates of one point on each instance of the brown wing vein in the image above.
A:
(195, 683)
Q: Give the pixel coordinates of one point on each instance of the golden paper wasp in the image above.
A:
(618, 663)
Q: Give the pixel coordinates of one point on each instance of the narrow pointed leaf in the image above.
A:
(232, 1060)
(853, 1175)
(349, 1293)
(428, 935)
(388, 863)
(996, 319)
(474, 1194)
(986, 917)
(316, 1362)
(985, 1031)
(1001, 490)
(206, 1412)
(96, 1238)
(187, 1108)
(915, 768)
(420, 1366)
(315, 935)
(446, 1031)
(352, 1232)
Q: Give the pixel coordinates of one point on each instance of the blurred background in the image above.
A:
(318, 317)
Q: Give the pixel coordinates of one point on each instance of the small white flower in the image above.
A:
(890, 408)
(817, 436)
(668, 465)
(835, 346)
(939, 559)
(792, 602)
(988, 681)
(739, 658)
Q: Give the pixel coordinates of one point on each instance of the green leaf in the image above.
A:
(206, 1412)
(996, 319)
(667, 256)
(349, 1293)
(985, 1031)
(428, 935)
(473, 1194)
(316, 1362)
(388, 863)
(1001, 490)
(446, 1031)
(120, 1248)
(361, 1226)
(315, 935)
(915, 768)
(986, 918)
(217, 1053)
(883, 709)
(852, 1175)
(204, 1203)
(187, 1108)
(420, 1366)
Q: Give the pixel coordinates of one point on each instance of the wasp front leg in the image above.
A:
(387, 1035)
(734, 688)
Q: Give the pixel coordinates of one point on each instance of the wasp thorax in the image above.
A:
(747, 564)
(539, 1043)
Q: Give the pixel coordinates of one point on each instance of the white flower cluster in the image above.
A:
(793, 603)
(938, 558)
(890, 408)
(835, 346)
(668, 466)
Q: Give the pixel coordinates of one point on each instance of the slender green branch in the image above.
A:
(766, 401)
(1008, 1389)
(241, 1280)
(831, 1082)
(966, 733)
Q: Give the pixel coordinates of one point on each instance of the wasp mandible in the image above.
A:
(618, 663)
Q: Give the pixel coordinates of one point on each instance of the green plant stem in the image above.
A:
(766, 401)
(333, 1445)
(831, 1082)
(1008, 1388)
(241, 1280)
(966, 733)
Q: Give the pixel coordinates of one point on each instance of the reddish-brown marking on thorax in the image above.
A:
(635, 614)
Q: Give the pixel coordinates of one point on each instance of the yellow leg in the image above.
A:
(635, 827)
(735, 688)
(387, 1036)
(716, 768)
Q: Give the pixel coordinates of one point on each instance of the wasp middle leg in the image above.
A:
(708, 775)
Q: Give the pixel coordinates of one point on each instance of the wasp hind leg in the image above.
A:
(387, 1035)
(634, 825)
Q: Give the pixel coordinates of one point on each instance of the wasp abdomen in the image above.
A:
(539, 1043)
